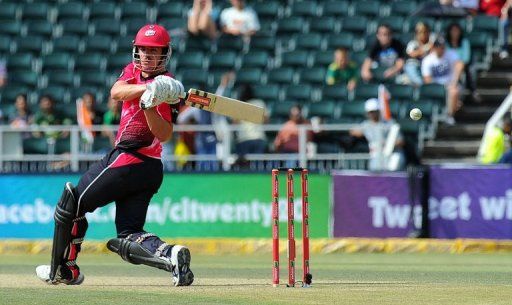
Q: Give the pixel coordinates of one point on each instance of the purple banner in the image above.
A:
(466, 202)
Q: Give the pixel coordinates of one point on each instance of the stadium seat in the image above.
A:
(297, 58)
(35, 11)
(33, 44)
(64, 78)
(57, 62)
(70, 10)
(74, 26)
(442, 24)
(357, 25)
(412, 21)
(280, 76)
(59, 93)
(35, 146)
(268, 9)
(176, 10)
(281, 109)
(304, 8)
(403, 7)
(223, 61)
(68, 111)
(480, 42)
(24, 78)
(309, 41)
(117, 62)
(40, 27)
(353, 110)
(198, 43)
(66, 43)
(322, 109)
(433, 92)
(405, 37)
(325, 25)
(267, 27)
(125, 45)
(192, 59)
(248, 76)
(366, 91)
(397, 23)
(378, 75)
(341, 40)
(367, 8)
(63, 145)
(95, 79)
(485, 23)
(267, 93)
(255, 59)
(174, 23)
(291, 25)
(132, 25)
(102, 10)
(91, 62)
(80, 91)
(302, 93)
(101, 144)
(9, 12)
(135, 10)
(359, 57)
(323, 58)
(194, 76)
(107, 26)
(10, 92)
(11, 28)
(401, 93)
(263, 42)
(335, 8)
(338, 93)
(99, 43)
(428, 108)
(20, 61)
(5, 44)
(229, 43)
(314, 76)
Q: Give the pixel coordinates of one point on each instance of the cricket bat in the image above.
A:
(226, 106)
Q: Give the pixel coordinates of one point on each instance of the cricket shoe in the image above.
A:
(43, 273)
(180, 260)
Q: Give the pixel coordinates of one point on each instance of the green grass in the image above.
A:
(401, 279)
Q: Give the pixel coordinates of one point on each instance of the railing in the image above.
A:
(11, 149)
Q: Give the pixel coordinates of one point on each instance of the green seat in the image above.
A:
(117, 62)
(485, 23)
(354, 110)
(403, 8)
(33, 44)
(68, 111)
(281, 109)
(302, 93)
(107, 26)
(70, 10)
(395, 108)
(197, 43)
(11, 28)
(69, 43)
(327, 24)
(290, 25)
(434, 92)
(267, 26)
(396, 23)
(96, 79)
(10, 92)
(404, 38)
(35, 146)
(125, 45)
(135, 9)
(255, 59)
(323, 58)
(102, 10)
(229, 43)
(101, 144)
(165, 10)
(268, 9)
(356, 25)
(341, 40)
(335, 8)
(78, 92)
(304, 8)
(297, 58)
(368, 8)
(249, 76)
(60, 94)
(9, 12)
(63, 78)
(378, 76)
(280, 76)
(328, 148)
(192, 59)
(20, 61)
(263, 42)
(63, 145)
(132, 26)
(57, 62)
(309, 41)
(479, 40)
(175, 24)
(91, 62)
(338, 93)
(442, 24)
(366, 91)
(35, 11)
(412, 21)
(269, 92)
(428, 108)
(25, 78)
(322, 109)
(408, 126)
(402, 93)
(359, 57)
(98, 44)
(75, 27)
(195, 76)
(40, 27)
(223, 61)
(5, 44)
(314, 76)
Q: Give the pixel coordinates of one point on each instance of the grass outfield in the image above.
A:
(338, 279)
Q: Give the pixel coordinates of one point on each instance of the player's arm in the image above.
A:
(160, 128)
(123, 91)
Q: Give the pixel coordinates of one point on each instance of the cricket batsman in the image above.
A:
(128, 175)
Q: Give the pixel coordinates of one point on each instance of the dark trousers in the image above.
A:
(129, 186)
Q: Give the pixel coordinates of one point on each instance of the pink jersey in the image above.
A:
(133, 130)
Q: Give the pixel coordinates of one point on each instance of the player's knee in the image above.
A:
(66, 208)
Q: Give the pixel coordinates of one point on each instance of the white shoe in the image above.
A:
(503, 54)
(180, 260)
(450, 121)
(43, 273)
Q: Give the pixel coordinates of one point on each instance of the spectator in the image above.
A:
(3, 73)
(501, 9)
(444, 67)
(22, 117)
(203, 18)
(387, 52)
(443, 8)
(48, 115)
(287, 139)
(342, 70)
(376, 131)
(112, 117)
(417, 49)
(469, 5)
(251, 138)
(239, 19)
(89, 103)
(494, 144)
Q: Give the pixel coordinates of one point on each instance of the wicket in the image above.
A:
(307, 277)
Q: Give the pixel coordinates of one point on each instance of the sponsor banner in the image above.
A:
(187, 205)
(471, 202)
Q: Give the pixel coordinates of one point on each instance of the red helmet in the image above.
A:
(152, 35)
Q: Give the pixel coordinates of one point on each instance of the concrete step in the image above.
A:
(498, 64)
(474, 114)
(433, 161)
(450, 149)
(492, 96)
(460, 132)
(494, 79)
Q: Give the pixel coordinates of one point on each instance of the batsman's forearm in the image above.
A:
(160, 128)
(122, 91)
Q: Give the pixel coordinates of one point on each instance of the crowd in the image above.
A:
(442, 58)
